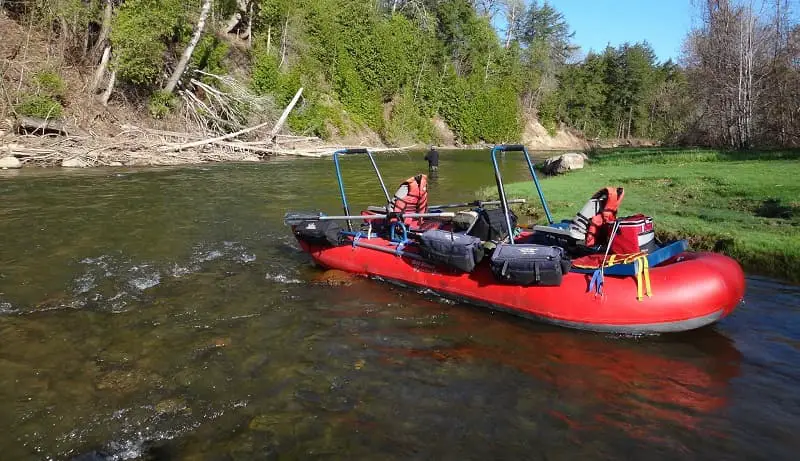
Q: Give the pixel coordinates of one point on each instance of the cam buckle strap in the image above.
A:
(505, 268)
(536, 271)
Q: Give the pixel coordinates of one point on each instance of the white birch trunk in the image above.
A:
(107, 93)
(101, 70)
(187, 53)
(105, 28)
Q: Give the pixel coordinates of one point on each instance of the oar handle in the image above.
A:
(384, 216)
(477, 203)
(294, 219)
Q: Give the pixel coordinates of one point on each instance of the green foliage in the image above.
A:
(39, 105)
(480, 110)
(161, 104)
(46, 96)
(406, 123)
(141, 33)
(49, 83)
(209, 55)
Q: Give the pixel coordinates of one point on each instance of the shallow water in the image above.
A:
(169, 314)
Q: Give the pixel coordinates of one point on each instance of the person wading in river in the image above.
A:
(433, 160)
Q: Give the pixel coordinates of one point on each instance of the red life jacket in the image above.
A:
(415, 201)
(596, 231)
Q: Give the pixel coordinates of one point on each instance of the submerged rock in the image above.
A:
(124, 381)
(10, 162)
(335, 277)
(565, 162)
(171, 407)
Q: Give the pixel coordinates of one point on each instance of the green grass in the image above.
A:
(743, 204)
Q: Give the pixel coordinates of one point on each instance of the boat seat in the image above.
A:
(556, 234)
(464, 221)
(377, 209)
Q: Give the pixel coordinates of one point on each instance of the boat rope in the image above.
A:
(597, 283)
(598, 277)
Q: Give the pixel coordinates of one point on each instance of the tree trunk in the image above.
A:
(269, 37)
(250, 27)
(105, 28)
(101, 70)
(283, 40)
(110, 88)
(187, 53)
(285, 115)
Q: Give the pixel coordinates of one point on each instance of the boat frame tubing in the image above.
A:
(498, 178)
(360, 150)
(389, 251)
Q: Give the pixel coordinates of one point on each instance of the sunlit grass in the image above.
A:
(746, 205)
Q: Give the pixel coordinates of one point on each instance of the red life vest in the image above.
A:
(596, 231)
(415, 200)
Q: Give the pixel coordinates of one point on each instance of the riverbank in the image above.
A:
(743, 204)
(134, 146)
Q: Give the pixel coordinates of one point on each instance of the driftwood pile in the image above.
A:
(44, 143)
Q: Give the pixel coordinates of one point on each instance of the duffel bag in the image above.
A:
(460, 251)
(529, 264)
(491, 224)
(318, 232)
(634, 234)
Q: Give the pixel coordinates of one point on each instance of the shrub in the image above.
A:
(161, 104)
(49, 83)
(40, 106)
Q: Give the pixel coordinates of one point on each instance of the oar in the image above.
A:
(478, 203)
(292, 219)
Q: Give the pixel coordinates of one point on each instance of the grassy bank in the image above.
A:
(743, 204)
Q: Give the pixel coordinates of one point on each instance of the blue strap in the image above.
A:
(356, 238)
(597, 282)
(400, 246)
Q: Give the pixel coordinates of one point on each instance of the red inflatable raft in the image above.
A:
(685, 290)
(690, 291)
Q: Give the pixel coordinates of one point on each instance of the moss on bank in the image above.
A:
(743, 204)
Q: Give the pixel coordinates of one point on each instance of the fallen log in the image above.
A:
(39, 126)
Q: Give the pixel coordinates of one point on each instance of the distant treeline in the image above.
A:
(482, 66)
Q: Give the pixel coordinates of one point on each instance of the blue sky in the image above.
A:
(596, 23)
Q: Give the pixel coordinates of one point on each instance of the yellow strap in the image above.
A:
(638, 266)
(643, 272)
(648, 290)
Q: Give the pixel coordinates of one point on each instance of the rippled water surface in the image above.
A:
(169, 314)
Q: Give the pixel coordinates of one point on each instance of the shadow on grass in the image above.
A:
(674, 155)
(772, 208)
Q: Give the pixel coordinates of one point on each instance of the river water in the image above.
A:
(169, 314)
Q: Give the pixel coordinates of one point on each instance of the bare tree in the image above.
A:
(187, 53)
(514, 9)
(729, 61)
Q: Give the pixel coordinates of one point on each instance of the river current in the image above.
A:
(169, 314)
